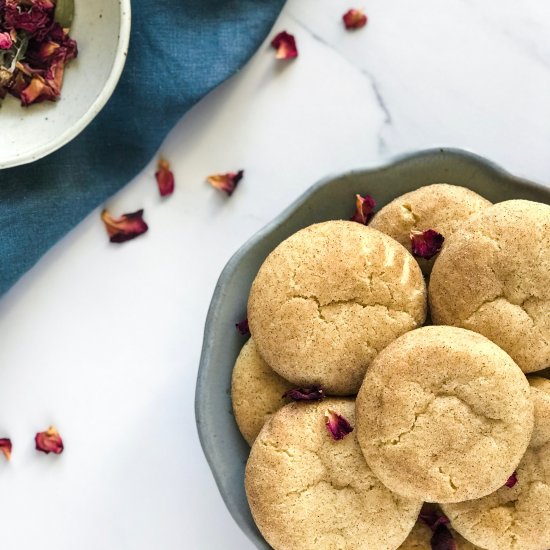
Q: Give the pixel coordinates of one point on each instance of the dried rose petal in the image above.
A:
(5, 447)
(125, 228)
(242, 327)
(337, 425)
(432, 517)
(354, 19)
(426, 244)
(5, 41)
(442, 539)
(49, 441)
(512, 480)
(226, 182)
(315, 393)
(285, 44)
(165, 178)
(364, 209)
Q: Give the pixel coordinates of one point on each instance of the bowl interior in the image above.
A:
(333, 198)
(101, 29)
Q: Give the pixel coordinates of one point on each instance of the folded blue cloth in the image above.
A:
(179, 51)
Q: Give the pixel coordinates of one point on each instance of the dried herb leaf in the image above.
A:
(64, 13)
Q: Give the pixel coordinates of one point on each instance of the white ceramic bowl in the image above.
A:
(102, 31)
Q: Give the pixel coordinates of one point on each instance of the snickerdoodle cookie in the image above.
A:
(329, 298)
(493, 277)
(517, 516)
(307, 490)
(256, 391)
(441, 207)
(444, 415)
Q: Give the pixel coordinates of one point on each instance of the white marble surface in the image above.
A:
(104, 341)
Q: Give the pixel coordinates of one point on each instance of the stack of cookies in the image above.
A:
(370, 430)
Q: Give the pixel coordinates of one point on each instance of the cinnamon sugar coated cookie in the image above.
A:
(493, 277)
(441, 207)
(307, 490)
(256, 391)
(444, 415)
(329, 298)
(517, 517)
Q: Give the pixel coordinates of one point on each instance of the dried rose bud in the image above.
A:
(512, 480)
(315, 393)
(426, 244)
(49, 441)
(5, 447)
(337, 425)
(242, 327)
(165, 178)
(125, 228)
(364, 209)
(5, 41)
(226, 182)
(442, 539)
(285, 44)
(354, 19)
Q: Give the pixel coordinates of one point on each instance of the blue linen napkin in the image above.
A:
(179, 51)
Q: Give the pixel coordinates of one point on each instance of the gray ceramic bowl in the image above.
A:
(331, 198)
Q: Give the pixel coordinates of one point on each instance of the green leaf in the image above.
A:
(64, 13)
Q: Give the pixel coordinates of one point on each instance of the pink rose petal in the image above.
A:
(5, 41)
(165, 178)
(226, 182)
(49, 441)
(5, 447)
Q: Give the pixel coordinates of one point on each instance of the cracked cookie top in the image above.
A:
(256, 391)
(307, 490)
(441, 207)
(518, 517)
(329, 298)
(493, 277)
(444, 415)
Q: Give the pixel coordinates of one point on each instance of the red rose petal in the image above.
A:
(242, 327)
(49, 441)
(512, 480)
(426, 244)
(315, 393)
(285, 44)
(226, 182)
(354, 19)
(5, 447)
(337, 426)
(125, 228)
(364, 209)
(165, 178)
(442, 539)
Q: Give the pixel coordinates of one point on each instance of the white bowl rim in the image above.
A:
(99, 102)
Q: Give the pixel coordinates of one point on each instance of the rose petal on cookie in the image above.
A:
(125, 228)
(242, 327)
(5, 447)
(337, 425)
(226, 182)
(512, 480)
(426, 244)
(364, 209)
(49, 441)
(315, 393)
(442, 539)
(285, 44)
(354, 19)
(165, 178)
